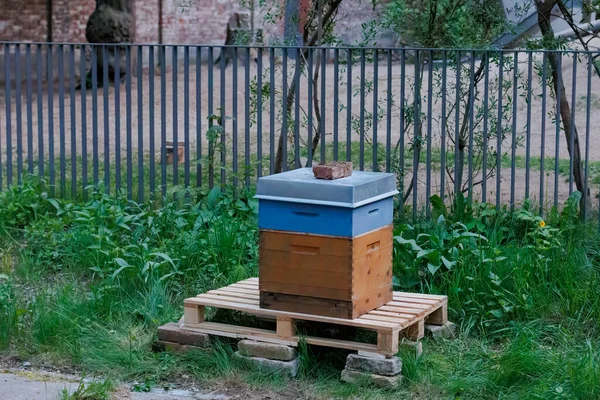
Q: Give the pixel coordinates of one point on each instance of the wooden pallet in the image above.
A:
(404, 316)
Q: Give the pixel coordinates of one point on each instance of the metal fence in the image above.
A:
(146, 119)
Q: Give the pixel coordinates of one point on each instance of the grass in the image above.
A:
(86, 284)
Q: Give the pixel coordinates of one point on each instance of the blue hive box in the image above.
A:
(296, 201)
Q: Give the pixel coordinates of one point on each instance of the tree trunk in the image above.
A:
(544, 9)
(300, 60)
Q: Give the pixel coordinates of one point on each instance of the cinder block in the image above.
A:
(386, 382)
(286, 367)
(251, 348)
(380, 366)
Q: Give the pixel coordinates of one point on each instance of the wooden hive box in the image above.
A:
(325, 246)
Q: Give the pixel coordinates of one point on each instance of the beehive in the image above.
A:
(325, 246)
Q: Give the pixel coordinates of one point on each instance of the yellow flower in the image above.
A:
(542, 223)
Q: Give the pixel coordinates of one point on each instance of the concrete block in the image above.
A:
(387, 366)
(445, 331)
(174, 333)
(386, 382)
(286, 367)
(251, 348)
(333, 170)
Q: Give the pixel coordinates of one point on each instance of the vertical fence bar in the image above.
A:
(61, 114)
(152, 160)
(84, 160)
(443, 127)
(29, 88)
(349, 106)
(234, 120)
(50, 80)
(117, 114)
(198, 116)
(284, 111)
(401, 150)
(105, 83)
(175, 119)
(558, 118)
(486, 84)
(528, 129)
(336, 103)
(163, 120)
(572, 133)
(543, 129)
(585, 194)
(259, 107)
(388, 138)
(429, 123)
(471, 111)
(499, 133)
(18, 103)
(140, 130)
(297, 73)
(272, 110)
(362, 110)
(417, 133)
(247, 118)
(8, 117)
(186, 117)
(514, 130)
(129, 122)
(222, 113)
(95, 114)
(40, 112)
(375, 105)
(73, 122)
(457, 168)
(322, 125)
(310, 107)
(211, 146)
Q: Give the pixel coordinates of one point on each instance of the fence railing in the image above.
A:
(148, 118)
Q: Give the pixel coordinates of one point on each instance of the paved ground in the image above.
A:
(26, 385)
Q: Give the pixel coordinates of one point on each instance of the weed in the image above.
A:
(96, 390)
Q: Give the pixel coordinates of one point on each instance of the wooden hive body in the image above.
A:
(334, 276)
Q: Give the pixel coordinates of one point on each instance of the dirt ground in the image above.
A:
(180, 108)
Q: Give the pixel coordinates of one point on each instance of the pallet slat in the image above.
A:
(264, 335)
(405, 315)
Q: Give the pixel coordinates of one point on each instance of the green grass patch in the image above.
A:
(86, 284)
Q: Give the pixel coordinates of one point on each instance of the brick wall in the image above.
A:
(183, 21)
(69, 18)
(27, 21)
(23, 20)
(196, 21)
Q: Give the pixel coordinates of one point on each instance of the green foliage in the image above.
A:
(95, 279)
(446, 23)
(96, 390)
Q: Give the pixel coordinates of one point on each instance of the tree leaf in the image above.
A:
(433, 268)
(413, 244)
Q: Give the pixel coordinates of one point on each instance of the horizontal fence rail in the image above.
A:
(149, 119)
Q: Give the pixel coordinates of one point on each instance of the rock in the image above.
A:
(445, 331)
(286, 367)
(334, 170)
(380, 366)
(26, 364)
(250, 348)
(110, 22)
(386, 382)
(173, 333)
